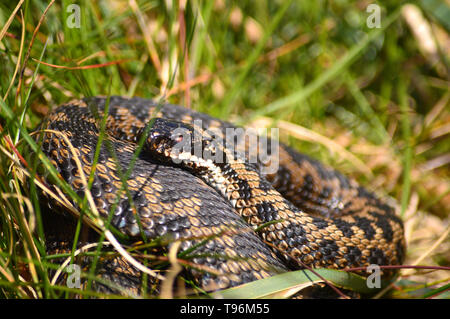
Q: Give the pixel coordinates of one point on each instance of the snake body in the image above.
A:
(305, 214)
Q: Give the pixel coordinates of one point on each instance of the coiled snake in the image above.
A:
(237, 223)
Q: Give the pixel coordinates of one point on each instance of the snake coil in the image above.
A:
(304, 213)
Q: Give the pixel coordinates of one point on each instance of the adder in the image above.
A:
(235, 222)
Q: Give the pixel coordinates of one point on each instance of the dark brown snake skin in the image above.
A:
(322, 218)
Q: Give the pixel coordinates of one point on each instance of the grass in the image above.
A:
(371, 102)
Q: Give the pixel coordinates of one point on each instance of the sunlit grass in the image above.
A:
(376, 99)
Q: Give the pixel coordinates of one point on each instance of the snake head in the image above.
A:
(167, 139)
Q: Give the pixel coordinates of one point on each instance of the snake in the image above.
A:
(234, 220)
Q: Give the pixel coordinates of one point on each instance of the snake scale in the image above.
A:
(237, 224)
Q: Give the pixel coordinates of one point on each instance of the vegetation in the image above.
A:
(371, 100)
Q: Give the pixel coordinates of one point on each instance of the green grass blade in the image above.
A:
(440, 10)
(367, 111)
(408, 152)
(266, 287)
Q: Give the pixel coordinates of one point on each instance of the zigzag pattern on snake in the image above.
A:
(317, 217)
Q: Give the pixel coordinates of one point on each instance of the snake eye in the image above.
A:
(178, 138)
